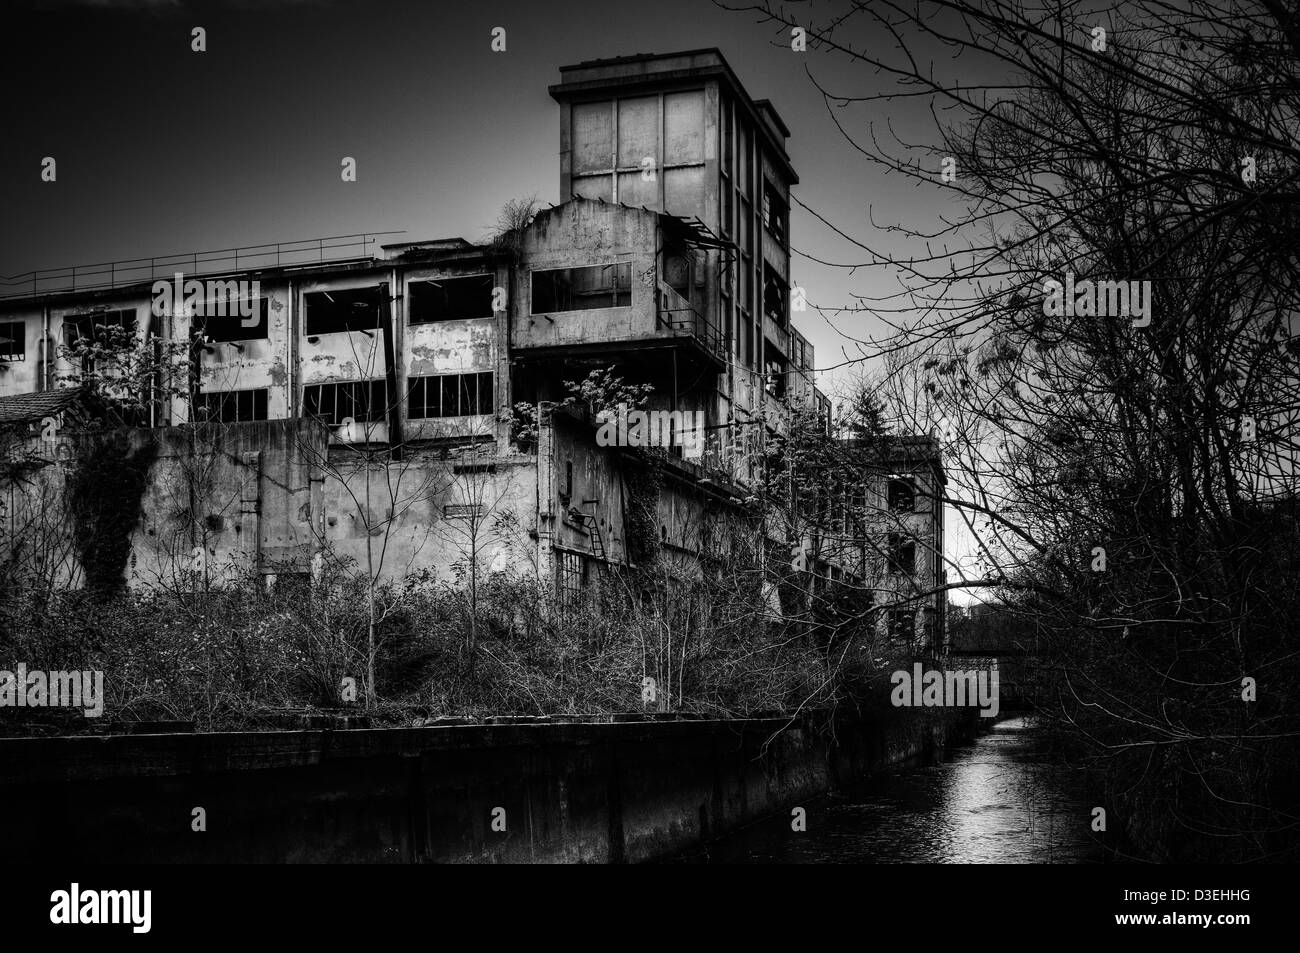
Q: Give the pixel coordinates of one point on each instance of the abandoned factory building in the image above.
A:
(405, 406)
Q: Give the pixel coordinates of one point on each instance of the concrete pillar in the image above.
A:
(546, 493)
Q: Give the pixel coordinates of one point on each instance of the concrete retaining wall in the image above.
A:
(571, 792)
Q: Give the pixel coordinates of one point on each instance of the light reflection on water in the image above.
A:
(998, 800)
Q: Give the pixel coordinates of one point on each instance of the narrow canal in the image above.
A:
(1001, 799)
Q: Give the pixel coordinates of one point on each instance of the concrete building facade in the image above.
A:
(377, 391)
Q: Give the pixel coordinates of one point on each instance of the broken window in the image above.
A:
(775, 212)
(774, 372)
(363, 401)
(858, 511)
(108, 329)
(96, 326)
(902, 554)
(13, 341)
(229, 406)
(223, 321)
(582, 289)
(902, 495)
(775, 296)
(447, 299)
(341, 310)
(451, 395)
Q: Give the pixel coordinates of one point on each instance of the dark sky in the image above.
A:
(162, 150)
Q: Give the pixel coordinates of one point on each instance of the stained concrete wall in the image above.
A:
(269, 497)
(601, 487)
(222, 503)
(571, 792)
(251, 364)
(247, 497)
(578, 234)
(219, 502)
(427, 513)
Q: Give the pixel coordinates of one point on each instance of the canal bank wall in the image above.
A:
(515, 792)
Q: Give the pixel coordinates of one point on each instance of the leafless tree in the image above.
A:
(1107, 322)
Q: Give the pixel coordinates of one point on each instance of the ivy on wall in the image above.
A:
(643, 479)
(105, 489)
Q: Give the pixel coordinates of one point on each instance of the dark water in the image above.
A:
(1001, 799)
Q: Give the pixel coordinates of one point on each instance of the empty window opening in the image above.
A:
(97, 326)
(902, 554)
(107, 329)
(582, 289)
(229, 406)
(223, 320)
(774, 372)
(775, 212)
(363, 401)
(341, 310)
(450, 299)
(776, 295)
(902, 495)
(451, 395)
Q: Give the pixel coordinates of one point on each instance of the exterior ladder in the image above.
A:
(593, 532)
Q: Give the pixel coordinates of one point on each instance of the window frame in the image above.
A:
(413, 319)
(893, 501)
(19, 337)
(624, 266)
(484, 386)
(349, 328)
(776, 212)
(374, 415)
(900, 544)
(198, 322)
(220, 397)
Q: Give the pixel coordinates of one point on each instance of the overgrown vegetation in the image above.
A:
(490, 638)
(235, 658)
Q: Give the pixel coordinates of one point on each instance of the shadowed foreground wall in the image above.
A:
(572, 791)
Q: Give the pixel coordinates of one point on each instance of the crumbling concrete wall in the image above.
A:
(226, 502)
(389, 519)
(218, 503)
(578, 234)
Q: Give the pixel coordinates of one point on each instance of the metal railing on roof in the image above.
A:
(130, 271)
(676, 314)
